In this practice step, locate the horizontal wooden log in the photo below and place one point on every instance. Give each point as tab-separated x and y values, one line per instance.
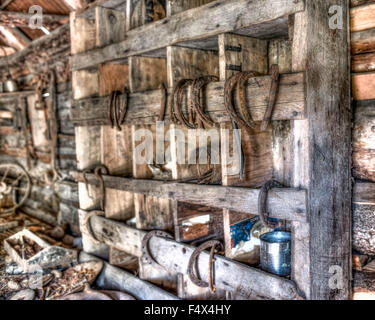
112	278
363	41
364	193
21	19
364	140
173	256
6	114
363	86
363	17
225	16
144	107
356	3
363	62
288	204
19	94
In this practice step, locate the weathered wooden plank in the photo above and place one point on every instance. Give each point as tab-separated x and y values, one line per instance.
83	33
363	17
355	3
144	108
363	41
363	86
289	204
329	148
364	193
21	19
225	16
364	140
363	62
112	278
230	275
110	26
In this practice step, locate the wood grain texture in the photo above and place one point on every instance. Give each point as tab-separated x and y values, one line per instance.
110	26
329	113
144	108
113	77
289	204
83	33
363	41
177	6
364	140
363	62
85	83
363	17
186	63
364	193
363	86
225	16
146	73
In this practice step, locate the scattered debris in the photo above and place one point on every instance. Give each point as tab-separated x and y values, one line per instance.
26	294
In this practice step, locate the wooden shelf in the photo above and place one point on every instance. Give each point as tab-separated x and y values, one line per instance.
144	107
16	94
288	204
256	18
174	257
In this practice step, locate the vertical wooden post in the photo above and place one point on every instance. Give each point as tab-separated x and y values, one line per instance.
323	150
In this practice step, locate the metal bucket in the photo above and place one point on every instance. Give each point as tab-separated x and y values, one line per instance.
275	253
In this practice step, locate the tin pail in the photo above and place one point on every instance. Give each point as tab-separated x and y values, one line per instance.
275	253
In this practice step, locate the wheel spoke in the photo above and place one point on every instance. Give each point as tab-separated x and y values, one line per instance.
5	175
18	179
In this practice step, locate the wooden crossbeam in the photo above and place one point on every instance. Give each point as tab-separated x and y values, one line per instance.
14	38
21	19
144	107
225	16
288	204
174	256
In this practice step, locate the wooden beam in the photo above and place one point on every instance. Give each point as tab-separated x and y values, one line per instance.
225	16
363	41
174	257
112	278
5	3
288	204
363	62
21	19
14	38
363	17
364	140
364	193
329	115
144	107
37	45
363	86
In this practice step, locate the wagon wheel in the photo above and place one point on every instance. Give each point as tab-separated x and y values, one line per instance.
15	184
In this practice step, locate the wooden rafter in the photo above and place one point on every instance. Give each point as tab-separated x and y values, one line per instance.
21	19
5	3
14	38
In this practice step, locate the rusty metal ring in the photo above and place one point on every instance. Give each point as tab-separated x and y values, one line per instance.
228	97
87	224
163	105
197	87
213	244
262	203
99	171
178	101
146	255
